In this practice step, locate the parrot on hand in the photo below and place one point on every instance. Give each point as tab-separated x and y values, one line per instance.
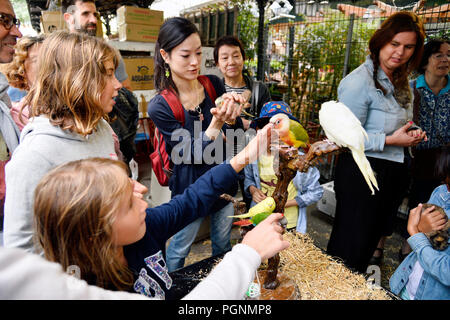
290	131
344	129
257	213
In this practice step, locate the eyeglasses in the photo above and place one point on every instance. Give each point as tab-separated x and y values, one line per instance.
8	21
441	56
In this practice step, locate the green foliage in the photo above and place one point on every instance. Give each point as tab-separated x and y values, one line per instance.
276	65
21	10
319	57
324	44
247	26
442	34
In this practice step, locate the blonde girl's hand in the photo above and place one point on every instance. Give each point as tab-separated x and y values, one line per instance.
267	237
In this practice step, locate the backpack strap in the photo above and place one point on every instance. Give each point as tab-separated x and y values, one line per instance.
206	82
174	104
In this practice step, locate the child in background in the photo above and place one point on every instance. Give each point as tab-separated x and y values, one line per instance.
260	179
425	273
87	215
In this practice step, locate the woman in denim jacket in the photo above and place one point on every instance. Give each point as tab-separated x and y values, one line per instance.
425	273
378	94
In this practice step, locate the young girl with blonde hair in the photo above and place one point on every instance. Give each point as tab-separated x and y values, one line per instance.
88	216
73	92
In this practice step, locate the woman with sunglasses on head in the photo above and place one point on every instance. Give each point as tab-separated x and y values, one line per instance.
431	113
378	93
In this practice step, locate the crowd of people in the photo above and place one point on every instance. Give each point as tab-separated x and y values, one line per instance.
69	201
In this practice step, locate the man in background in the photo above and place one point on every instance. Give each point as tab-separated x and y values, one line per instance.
82	16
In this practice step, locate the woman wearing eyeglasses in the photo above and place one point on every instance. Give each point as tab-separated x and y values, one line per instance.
378	93
432	113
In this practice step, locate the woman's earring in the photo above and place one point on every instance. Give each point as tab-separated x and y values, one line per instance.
167	74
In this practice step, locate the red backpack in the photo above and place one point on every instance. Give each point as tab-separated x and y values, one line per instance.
161	164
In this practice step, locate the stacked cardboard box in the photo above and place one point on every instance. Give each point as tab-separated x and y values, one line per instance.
52	21
140	72
139	24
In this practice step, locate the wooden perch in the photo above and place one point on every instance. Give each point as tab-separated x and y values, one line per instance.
286	165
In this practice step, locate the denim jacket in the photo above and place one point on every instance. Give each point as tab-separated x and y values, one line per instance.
380	115
307	184
435	281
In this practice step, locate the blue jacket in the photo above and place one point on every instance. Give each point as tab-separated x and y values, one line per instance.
380	115
307	184
146	258
435	281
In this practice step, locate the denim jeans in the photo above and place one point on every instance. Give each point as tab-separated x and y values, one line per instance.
180	245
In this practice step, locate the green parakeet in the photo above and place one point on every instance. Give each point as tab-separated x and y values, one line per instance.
257	218
291	132
267	205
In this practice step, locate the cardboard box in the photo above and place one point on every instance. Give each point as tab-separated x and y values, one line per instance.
134	15
52	21
138	32
140	72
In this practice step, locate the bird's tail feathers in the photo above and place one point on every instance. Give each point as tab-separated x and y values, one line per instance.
242	216
366	169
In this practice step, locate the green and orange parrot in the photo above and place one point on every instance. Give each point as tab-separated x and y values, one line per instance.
290	131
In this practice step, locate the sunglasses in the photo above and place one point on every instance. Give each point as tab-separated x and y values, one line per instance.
8	21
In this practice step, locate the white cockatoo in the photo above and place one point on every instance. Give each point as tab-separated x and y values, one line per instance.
343	128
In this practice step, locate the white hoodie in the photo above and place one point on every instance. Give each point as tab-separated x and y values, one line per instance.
42	147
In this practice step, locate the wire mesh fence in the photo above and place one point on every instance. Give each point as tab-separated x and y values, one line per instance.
307	59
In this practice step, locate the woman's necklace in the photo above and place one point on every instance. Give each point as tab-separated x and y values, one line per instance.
197	101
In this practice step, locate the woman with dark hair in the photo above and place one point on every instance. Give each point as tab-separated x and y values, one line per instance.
178	53
229	56
378	94
431	112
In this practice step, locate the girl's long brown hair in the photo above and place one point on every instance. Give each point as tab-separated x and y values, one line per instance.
70	81
75	206
398	22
